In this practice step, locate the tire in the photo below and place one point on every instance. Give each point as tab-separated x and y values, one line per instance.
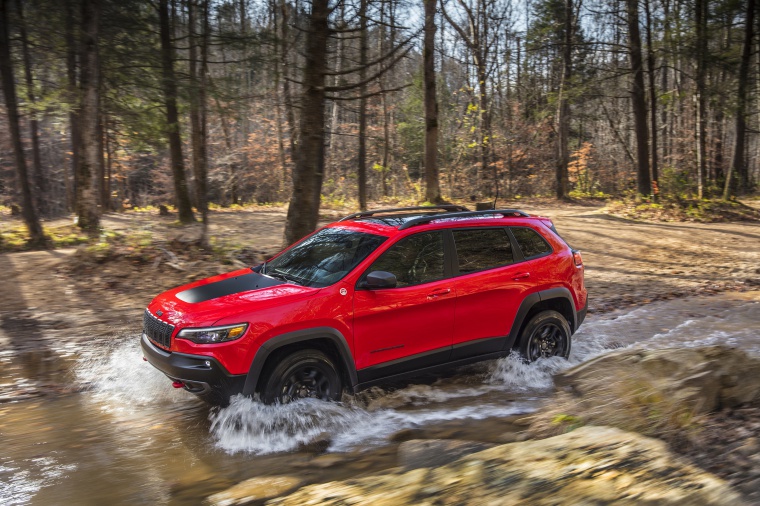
300	375
547	334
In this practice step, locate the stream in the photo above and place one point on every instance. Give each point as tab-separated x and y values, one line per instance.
124	436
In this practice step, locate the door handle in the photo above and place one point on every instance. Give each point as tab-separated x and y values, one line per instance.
438	293
522	275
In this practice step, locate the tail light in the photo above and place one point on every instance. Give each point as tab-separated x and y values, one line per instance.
577	258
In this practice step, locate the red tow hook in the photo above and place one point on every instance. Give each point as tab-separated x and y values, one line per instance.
178	384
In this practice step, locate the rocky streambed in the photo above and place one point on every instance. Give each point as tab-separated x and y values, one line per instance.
699	407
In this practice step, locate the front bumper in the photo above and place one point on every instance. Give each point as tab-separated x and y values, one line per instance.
201	375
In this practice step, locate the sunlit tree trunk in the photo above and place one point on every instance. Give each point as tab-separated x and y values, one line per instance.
432	189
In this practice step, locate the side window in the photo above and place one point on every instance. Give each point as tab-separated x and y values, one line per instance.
482	249
531	244
414	260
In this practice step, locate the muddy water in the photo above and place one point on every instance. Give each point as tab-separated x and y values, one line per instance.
128	437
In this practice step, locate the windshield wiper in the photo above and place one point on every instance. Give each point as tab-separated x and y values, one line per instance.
285	276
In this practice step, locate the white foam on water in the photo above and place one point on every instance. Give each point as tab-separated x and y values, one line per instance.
247	425
119	378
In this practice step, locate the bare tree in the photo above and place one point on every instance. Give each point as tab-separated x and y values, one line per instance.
738	162
182	194
87	202
36	235
432	188
638	98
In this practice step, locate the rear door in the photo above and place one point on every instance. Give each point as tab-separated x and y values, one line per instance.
490	286
408	327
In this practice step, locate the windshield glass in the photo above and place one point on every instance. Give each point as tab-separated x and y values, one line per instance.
323	258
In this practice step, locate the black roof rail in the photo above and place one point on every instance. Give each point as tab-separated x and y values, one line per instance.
366	214
468	214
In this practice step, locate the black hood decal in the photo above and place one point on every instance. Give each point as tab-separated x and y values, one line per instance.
244	283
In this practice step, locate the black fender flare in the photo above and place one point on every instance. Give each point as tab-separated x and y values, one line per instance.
273	344
531	300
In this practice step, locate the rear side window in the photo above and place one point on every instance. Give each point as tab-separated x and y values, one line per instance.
482	249
531	243
414	260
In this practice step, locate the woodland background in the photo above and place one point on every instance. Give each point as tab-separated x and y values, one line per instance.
113	104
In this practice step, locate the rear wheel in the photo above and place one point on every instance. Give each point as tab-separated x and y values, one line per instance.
547	334
305	374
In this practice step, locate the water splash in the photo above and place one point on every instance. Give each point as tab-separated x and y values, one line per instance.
118	376
247	425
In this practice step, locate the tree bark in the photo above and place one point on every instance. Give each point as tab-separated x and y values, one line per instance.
652	97
700	20
362	163
638	99
31	219
184	206
87	202
303	210
432	189
71	73
38	176
198	103
563	109
738	162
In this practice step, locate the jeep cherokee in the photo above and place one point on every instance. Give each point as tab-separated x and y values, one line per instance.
377	296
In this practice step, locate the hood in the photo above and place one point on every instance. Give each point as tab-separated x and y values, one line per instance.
205	302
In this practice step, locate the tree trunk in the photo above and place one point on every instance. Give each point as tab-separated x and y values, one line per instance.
71	73
87	202
563	109
38	176
363	48
36	235
700	20
652	97
303	210
198	103
738	163
638	99
432	189
184	206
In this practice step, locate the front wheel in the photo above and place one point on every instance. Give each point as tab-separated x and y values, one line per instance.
547	334
305	374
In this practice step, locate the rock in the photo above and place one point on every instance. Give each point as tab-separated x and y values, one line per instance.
317	445
163	210
406	435
592	465
701	379
435	452
255	491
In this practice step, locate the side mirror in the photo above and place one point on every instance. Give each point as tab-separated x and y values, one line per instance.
380	279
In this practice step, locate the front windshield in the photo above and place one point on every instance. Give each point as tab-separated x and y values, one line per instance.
323	258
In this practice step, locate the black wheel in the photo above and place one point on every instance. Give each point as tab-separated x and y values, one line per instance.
302	375
547	334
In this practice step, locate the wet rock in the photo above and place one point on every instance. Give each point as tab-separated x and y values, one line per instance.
406	435
255	491
701	379
317	445
435	452
592	465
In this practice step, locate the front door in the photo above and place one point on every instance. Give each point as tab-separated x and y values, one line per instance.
410	326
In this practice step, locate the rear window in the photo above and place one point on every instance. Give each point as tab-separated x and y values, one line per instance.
531	243
482	249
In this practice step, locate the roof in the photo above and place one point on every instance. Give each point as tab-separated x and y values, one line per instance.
407	217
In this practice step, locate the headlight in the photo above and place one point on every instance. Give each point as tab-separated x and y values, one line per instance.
210	335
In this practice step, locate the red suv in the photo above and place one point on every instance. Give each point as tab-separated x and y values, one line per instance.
376	296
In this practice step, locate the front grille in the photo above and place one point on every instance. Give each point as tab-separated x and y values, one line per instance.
157	331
